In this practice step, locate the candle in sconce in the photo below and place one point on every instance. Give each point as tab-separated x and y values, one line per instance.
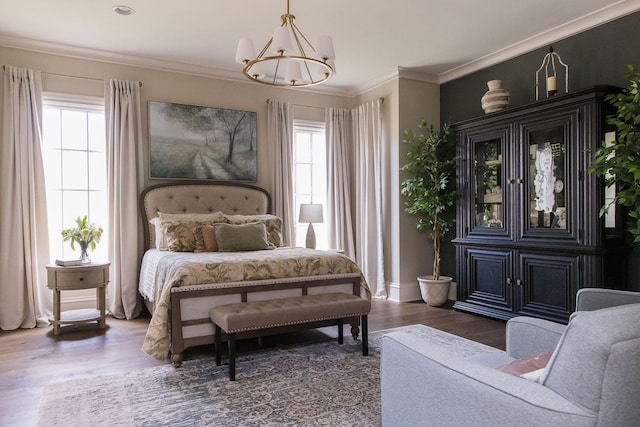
551	86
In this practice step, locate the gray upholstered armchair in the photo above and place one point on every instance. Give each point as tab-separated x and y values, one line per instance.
592	378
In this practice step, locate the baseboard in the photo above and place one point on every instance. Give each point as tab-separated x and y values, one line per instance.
405	292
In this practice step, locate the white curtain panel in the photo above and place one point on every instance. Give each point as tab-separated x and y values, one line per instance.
369	174
25	301
124	181
339	167
280	145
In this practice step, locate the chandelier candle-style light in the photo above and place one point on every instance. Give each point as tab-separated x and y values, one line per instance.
288	59
549	61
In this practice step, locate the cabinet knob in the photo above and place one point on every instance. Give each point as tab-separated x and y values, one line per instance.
509	281
81	279
518	282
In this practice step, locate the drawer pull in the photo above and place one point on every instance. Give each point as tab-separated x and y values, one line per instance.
81	279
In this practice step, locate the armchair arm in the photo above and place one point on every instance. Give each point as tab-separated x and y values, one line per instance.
589	299
423	384
526	336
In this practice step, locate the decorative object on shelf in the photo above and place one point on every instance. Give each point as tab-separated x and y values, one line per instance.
551	79
496	98
617	161
311	213
286	64
431	187
85	234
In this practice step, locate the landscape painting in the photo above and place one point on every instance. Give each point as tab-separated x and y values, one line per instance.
202	143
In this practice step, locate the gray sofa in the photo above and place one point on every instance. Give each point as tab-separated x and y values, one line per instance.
592	378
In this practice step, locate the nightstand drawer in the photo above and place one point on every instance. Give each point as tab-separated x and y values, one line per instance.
83	279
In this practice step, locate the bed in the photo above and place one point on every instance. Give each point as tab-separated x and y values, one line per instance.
180	284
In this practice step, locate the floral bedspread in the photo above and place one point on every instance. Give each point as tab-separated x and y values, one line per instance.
163	270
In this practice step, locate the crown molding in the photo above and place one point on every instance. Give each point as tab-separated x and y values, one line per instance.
141	62
594	19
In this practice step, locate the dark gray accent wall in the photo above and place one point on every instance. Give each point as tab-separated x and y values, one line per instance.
598	56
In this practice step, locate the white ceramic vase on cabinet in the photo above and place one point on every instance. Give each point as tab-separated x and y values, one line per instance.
496	98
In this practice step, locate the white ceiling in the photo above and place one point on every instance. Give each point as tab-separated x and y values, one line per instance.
373	39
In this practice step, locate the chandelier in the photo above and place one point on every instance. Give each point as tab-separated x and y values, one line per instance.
288	59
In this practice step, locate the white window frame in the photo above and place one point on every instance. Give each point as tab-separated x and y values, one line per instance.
318	190
59	221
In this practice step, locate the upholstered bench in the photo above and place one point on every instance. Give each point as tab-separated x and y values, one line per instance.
272	314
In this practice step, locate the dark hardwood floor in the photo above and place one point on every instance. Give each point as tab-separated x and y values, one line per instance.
33	358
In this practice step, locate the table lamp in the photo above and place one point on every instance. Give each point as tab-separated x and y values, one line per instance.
310	212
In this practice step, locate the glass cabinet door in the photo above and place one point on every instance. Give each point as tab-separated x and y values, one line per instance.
547	179
488	184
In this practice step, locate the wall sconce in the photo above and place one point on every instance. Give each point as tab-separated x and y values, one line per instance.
551	80
310	213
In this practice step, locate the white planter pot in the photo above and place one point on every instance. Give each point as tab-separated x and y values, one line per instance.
434	292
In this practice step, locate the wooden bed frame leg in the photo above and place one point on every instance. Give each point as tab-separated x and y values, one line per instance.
340	333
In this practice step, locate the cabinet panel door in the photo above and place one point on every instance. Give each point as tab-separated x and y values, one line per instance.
548	284
550	177
490	278
484	186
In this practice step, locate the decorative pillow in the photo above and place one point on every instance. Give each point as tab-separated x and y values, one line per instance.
527	366
273	224
179	230
251	236
206	239
161	242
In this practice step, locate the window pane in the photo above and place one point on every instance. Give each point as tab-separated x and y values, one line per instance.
74	170
74	128
96	133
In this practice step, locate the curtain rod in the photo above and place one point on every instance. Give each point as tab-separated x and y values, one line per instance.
381	99
4	67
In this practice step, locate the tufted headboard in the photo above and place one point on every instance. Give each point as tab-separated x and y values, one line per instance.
199	197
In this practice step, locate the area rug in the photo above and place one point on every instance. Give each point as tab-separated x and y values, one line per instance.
316	384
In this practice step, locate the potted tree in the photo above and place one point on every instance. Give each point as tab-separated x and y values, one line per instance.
429	191
619	162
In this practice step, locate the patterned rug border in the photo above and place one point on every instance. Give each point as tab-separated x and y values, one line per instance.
332	385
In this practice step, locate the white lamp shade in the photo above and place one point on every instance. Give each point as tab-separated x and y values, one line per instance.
311	213
281	40
325	48
293	74
245	51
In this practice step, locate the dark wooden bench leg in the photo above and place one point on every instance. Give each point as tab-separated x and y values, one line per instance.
232	356
340	333
218	344
365	335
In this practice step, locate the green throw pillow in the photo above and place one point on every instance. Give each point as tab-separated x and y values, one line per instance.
251	236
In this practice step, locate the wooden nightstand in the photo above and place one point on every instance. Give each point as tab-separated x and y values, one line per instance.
86	276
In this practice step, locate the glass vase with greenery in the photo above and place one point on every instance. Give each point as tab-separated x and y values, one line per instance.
85	234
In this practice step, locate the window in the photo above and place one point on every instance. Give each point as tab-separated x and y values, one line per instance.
310	177
75	166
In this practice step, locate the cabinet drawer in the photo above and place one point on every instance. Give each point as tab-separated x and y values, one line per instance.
81	279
